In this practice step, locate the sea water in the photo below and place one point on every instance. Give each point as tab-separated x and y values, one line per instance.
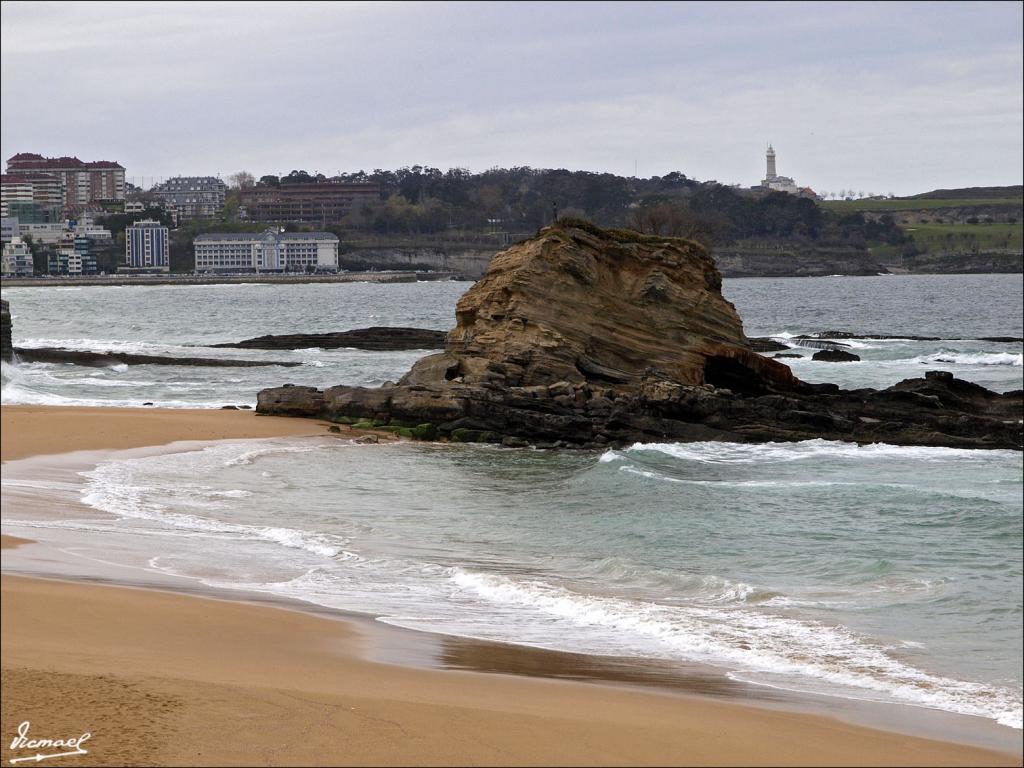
875	572
180	320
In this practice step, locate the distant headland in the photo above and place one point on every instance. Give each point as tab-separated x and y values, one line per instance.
75	219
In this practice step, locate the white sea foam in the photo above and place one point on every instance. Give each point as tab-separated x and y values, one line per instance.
971	358
806	450
965	359
103	345
16	394
754	642
117	487
249	456
632	470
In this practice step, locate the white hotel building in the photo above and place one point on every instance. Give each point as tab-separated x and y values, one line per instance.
270	251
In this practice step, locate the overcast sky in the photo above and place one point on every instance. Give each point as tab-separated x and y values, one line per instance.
886	97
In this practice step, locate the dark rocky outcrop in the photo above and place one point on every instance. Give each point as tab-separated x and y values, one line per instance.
589	337
376	338
765	344
835	356
100	359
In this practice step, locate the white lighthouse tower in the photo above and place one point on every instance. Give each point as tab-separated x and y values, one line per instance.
773	181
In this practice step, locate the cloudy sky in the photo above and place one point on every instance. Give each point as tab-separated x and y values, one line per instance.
886	97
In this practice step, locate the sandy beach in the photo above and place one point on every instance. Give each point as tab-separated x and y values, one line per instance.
165	679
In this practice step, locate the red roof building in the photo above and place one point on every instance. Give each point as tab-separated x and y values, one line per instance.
80	184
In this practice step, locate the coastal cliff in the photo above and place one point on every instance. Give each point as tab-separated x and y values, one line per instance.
587	337
782	258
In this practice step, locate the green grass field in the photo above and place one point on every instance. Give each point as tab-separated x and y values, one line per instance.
926	203
945	237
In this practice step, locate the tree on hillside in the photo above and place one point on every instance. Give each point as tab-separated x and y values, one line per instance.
241	180
676	219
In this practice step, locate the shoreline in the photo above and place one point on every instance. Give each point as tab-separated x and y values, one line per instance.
406	276
500	726
204	666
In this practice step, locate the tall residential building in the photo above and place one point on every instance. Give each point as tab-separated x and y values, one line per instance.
79	183
270	251
147	246
318	203
36	189
17	259
193	197
13	189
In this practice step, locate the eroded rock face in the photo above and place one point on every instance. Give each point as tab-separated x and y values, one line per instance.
588	337
588	306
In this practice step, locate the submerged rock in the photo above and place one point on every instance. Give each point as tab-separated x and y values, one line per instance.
588	337
102	359
836	356
376	338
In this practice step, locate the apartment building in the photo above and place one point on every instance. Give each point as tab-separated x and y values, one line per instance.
17	259
322	203
193	197
13	189
69	181
147	247
270	251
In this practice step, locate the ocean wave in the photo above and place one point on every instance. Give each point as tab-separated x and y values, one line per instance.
633	470
967	359
105	345
972	358
125	488
127	502
704	588
813	450
250	456
637	611
16	394
30	384
754	641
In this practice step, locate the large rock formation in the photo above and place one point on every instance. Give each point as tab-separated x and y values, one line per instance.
583	336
